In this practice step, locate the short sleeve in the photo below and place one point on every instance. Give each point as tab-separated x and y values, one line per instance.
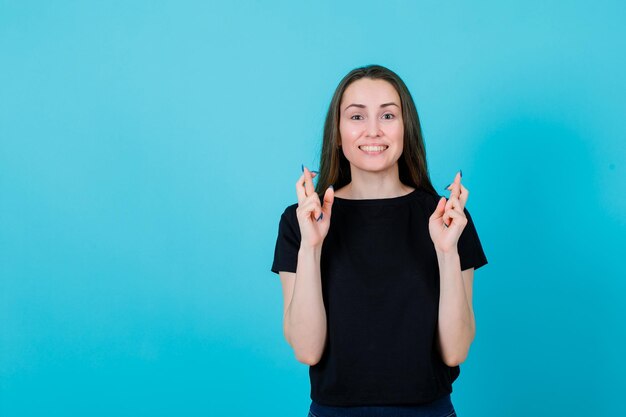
287	242
470	249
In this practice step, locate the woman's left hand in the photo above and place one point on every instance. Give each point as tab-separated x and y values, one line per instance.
448	220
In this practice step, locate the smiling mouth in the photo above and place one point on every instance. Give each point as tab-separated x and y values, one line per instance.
373	148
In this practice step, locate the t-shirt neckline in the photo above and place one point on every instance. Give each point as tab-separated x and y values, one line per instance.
377	201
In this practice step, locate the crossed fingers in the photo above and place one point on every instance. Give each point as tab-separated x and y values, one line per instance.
458	198
304	185
305	190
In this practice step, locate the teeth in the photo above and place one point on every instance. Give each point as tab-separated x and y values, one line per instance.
373	148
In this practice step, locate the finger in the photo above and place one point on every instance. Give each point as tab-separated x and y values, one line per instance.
310	207
456	219
456	207
329	198
310	191
458	202
448	215
456	185
439	210
308	182
452	203
456	190
464	196
314	201
300	192
300	186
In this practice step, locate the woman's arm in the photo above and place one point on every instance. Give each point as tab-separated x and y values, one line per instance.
304	322
456	324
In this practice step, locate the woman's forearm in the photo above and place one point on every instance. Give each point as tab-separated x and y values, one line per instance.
456	318
305	318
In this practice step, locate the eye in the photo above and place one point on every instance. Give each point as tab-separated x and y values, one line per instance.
388	114
356	115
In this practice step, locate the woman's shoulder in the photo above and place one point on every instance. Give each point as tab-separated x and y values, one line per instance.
288	223
426	196
289	213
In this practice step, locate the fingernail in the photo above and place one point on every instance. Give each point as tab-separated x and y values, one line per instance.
461	173
315	172
320	217
446	187
331	187
302	167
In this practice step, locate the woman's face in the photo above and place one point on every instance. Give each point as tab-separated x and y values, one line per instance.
371	126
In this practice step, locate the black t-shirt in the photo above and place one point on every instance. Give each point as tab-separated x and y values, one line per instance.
380	285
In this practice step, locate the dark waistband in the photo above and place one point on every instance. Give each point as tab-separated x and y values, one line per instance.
442	406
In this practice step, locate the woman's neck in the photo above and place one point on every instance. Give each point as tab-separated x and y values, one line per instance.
373	185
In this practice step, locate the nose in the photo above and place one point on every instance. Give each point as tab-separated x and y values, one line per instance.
373	129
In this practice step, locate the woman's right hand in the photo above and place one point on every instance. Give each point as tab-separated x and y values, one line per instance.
313	218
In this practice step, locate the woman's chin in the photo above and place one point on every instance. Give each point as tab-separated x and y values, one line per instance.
371	167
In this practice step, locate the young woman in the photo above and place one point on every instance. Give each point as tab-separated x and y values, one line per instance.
376	267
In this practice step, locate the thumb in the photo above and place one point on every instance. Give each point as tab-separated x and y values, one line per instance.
329	198
439	210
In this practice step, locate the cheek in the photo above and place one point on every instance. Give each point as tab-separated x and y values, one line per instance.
353	133
348	132
398	132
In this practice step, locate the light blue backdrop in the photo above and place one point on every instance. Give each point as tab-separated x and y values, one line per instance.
148	148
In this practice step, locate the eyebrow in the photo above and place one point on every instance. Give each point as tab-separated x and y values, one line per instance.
364	106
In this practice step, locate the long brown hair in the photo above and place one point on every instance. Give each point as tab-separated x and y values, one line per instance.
335	168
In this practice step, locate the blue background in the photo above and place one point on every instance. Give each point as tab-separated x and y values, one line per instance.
148	148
